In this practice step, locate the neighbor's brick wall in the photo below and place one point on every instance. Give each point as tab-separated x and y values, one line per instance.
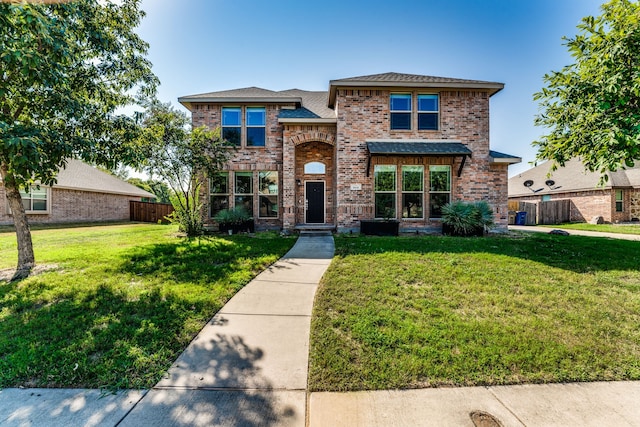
464	116
76	206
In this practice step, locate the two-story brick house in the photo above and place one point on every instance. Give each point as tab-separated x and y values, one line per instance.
381	146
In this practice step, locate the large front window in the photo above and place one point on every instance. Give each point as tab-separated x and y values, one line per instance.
412	191
400	110
244	191
268	194
35	201
439	189
385	191
232	124
218	193
256	126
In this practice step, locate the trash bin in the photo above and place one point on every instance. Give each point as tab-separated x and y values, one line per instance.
521	218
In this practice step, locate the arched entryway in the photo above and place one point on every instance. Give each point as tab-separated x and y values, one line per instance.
315	183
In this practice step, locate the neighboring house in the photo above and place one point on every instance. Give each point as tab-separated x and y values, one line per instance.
82	194
617	201
381	146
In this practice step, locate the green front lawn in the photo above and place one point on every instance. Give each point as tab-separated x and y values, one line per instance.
120	302
605	228
429	311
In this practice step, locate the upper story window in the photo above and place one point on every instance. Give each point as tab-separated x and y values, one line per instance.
232	124
428	112
400	109
256	125
36	200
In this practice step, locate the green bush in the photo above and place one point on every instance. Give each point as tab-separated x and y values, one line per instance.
467	218
232	216
187	215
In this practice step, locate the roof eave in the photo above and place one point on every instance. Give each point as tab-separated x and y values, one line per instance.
509	160
320	120
188	101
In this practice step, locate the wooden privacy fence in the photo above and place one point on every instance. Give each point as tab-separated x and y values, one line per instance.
549	212
554	211
149	212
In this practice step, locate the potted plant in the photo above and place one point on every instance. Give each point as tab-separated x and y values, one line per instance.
387	226
466	219
234	221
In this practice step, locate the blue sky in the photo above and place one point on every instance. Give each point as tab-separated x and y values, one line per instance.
208	45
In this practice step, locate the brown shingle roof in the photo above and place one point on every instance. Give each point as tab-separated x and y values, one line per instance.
570	178
313	101
400	80
80	176
407	78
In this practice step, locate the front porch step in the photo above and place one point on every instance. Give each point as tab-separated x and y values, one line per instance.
315	229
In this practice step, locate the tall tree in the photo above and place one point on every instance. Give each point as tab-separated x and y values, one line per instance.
66	69
592	107
182	157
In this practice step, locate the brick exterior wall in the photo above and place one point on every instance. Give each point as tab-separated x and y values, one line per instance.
75	206
464	116
598	202
254	159
364	114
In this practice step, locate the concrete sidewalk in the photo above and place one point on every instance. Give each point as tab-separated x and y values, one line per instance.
577	404
539	229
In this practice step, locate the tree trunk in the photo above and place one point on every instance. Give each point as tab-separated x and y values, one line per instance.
26	259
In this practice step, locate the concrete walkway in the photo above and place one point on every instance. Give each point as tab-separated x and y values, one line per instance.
248	367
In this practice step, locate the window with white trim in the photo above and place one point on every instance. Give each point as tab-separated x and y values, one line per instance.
412	191
428	112
244	191
400	111
385	191
36	200
268	194
218	193
439	189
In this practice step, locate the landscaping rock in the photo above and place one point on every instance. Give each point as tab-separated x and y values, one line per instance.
559	232
597	220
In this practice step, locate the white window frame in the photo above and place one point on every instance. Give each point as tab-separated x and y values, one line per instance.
47	201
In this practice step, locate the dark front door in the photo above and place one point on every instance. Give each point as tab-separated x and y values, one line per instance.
314	192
